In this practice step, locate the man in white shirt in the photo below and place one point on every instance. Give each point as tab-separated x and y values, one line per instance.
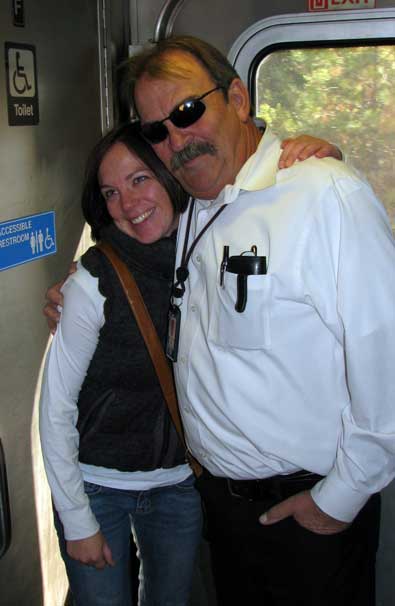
285	358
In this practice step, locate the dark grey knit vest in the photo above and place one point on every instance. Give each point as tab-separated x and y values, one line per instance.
123	419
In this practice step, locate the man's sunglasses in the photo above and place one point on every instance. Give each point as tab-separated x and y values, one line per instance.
186	114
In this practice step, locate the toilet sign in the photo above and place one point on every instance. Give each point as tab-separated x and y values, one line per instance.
21	78
27	239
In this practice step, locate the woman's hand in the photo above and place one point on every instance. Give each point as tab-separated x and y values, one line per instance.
92	551
304	146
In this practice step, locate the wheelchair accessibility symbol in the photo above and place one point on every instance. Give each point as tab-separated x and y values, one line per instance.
22	93
19	78
21	73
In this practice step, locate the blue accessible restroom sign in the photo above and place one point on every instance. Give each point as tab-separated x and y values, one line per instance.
27	239
21	78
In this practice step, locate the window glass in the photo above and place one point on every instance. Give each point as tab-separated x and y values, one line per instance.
345	95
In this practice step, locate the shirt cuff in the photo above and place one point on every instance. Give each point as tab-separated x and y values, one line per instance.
337	499
78	523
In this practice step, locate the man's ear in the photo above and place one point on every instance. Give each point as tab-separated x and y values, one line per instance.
240	99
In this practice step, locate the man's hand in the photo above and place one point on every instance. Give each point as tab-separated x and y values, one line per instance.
93	551
54	300
304	146
304	510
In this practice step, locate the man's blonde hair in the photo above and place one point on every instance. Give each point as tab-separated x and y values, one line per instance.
152	62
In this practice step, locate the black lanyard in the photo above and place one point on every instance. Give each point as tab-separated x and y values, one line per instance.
182	271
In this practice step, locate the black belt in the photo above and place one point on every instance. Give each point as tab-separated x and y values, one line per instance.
276	487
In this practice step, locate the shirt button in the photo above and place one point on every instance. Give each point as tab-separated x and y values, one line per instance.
198	258
183	359
193	308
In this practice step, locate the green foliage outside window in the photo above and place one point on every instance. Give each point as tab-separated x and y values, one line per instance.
345	95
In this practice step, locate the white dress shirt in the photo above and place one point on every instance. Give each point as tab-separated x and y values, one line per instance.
68	359
303	378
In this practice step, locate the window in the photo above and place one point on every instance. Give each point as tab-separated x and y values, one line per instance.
343	94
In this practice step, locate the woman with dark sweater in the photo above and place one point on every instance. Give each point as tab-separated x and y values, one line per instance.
112	456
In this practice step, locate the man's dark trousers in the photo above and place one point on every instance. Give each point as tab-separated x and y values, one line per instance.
284	564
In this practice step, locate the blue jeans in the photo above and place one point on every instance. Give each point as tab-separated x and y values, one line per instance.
166	524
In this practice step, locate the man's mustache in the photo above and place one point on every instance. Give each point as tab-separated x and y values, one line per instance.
190	152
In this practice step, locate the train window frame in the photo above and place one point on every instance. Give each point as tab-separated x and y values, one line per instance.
304	31
290	31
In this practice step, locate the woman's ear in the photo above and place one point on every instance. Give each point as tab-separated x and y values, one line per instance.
240	99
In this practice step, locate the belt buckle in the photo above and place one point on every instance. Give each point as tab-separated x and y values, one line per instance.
252	492
256	490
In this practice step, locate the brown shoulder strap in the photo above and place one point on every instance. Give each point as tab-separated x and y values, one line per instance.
151	339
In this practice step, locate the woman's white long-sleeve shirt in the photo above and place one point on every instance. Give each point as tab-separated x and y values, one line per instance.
67	361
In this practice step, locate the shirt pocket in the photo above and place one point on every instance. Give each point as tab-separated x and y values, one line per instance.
249	329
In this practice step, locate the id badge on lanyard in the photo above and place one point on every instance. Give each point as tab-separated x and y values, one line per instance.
178	289
173	332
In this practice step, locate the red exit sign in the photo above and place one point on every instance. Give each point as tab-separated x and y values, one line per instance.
339	5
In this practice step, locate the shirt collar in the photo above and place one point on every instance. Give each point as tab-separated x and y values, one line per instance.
260	170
